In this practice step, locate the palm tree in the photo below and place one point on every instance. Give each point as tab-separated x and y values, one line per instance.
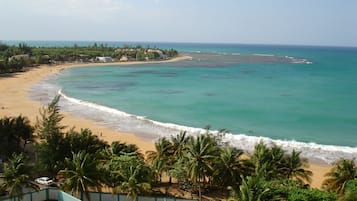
253	188
349	196
15	133
119	148
24	130
84	140
260	156
229	167
268	160
132	174
179	143
16	176
160	159
131	184
81	173
201	153
294	168
8	139
343	171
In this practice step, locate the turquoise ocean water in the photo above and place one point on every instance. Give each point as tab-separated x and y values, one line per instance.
298	97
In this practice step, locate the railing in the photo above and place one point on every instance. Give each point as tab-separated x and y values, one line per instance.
56	194
98	196
41	195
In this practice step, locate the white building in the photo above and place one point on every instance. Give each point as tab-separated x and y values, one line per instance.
104	59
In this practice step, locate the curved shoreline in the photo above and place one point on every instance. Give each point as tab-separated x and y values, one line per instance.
16	100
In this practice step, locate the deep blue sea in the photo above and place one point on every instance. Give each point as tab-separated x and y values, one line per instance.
299	97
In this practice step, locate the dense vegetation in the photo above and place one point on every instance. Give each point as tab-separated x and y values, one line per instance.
15	58
201	165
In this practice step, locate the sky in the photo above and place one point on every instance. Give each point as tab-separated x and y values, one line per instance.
290	22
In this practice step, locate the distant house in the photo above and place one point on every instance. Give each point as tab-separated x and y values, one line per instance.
159	52
124	59
83	57
19	56
125	50
104	59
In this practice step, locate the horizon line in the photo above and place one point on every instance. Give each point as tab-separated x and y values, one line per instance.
189	42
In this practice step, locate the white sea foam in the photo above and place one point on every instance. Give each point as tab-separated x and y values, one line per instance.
93	105
132	123
297	60
264	55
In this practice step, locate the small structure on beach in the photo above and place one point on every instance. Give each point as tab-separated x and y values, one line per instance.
104	59
124	59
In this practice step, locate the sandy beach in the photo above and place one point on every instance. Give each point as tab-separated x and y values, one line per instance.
15	100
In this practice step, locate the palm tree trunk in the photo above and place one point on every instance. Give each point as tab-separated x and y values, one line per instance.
199	188
199	192
24	146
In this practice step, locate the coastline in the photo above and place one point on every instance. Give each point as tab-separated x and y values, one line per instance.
15	100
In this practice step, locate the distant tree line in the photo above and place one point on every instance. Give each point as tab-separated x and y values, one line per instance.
15	58
200	165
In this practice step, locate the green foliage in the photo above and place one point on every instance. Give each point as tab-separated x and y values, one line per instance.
171	53
24	48
3	47
200	154
202	162
295	168
291	190
118	148
199	159
140	56
49	55
49	122
276	164
229	167
310	195
83	141
129	174
350	191
351	186
62	145
160	159
348	196
49	129
253	188
268	160
178	145
17	176
342	172
15	133
81	173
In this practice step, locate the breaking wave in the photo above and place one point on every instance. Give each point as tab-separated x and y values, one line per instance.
150	129
139	124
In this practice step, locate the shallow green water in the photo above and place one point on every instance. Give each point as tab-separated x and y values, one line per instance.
303	102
